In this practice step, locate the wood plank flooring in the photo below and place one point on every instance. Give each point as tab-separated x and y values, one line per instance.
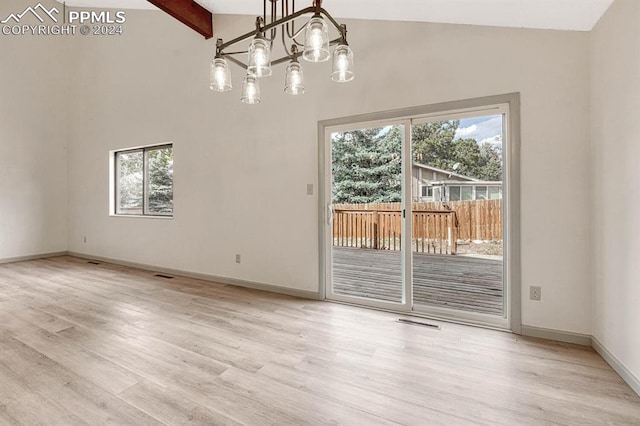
456	282
103	344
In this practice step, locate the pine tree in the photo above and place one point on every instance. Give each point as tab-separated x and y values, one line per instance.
160	163
130	179
367	163
367	166
159	180
434	144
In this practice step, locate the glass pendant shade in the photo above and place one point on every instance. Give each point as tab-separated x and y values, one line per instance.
294	79
316	41
342	68
250	90
220	75
259	57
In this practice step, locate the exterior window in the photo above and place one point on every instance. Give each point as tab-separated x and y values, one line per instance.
481	193
454	193
467	193
144	181
495	193
437	194
427	191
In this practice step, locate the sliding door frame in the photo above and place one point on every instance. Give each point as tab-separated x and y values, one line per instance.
512	268
489	320
326	229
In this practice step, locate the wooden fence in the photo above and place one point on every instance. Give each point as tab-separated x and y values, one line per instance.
433	231
478	220
436	228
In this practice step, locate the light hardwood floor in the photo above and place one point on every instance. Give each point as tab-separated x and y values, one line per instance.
98	344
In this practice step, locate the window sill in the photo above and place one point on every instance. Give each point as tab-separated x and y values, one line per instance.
141	216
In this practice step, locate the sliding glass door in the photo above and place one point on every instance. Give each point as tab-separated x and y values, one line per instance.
366	223
457	208
415	214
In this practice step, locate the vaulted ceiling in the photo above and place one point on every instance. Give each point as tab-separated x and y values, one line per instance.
577	15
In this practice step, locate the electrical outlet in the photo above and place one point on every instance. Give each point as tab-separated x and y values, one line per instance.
309	189
535	293
238	259
84	239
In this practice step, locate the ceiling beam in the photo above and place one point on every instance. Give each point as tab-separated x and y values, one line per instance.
189	13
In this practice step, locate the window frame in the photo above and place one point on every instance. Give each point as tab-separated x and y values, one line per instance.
425	194
115	184
449	188
509	106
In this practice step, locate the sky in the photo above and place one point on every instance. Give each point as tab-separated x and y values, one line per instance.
482	129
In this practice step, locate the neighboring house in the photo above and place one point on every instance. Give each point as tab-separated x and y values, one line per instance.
433	184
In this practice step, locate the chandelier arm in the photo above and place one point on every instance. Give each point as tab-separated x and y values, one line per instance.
283	36
286	28
285	59
270	39
333	21
237	62
293	36
239	52
289	18
274	13
274	24
264	10
284	11
340	27
336	41
296	34
291	29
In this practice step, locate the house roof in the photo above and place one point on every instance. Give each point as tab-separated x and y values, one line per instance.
447	172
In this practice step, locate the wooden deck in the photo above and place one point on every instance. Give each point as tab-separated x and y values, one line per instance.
457	282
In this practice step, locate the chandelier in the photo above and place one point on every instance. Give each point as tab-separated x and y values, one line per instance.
314	48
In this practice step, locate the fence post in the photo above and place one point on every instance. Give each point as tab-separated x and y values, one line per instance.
453	232
375	230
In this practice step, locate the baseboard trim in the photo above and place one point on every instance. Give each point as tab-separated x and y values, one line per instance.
557	335
627	376
303	294
32	257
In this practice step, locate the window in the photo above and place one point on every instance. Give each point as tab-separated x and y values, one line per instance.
495	193
144	181
467	193
454	193
427	191
438	194
481	193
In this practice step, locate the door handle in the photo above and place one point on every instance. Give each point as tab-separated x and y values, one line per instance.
330	213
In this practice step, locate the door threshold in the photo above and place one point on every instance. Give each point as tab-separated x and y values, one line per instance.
423	315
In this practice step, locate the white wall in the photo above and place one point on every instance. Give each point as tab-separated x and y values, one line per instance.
241	171
615	126
33	141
